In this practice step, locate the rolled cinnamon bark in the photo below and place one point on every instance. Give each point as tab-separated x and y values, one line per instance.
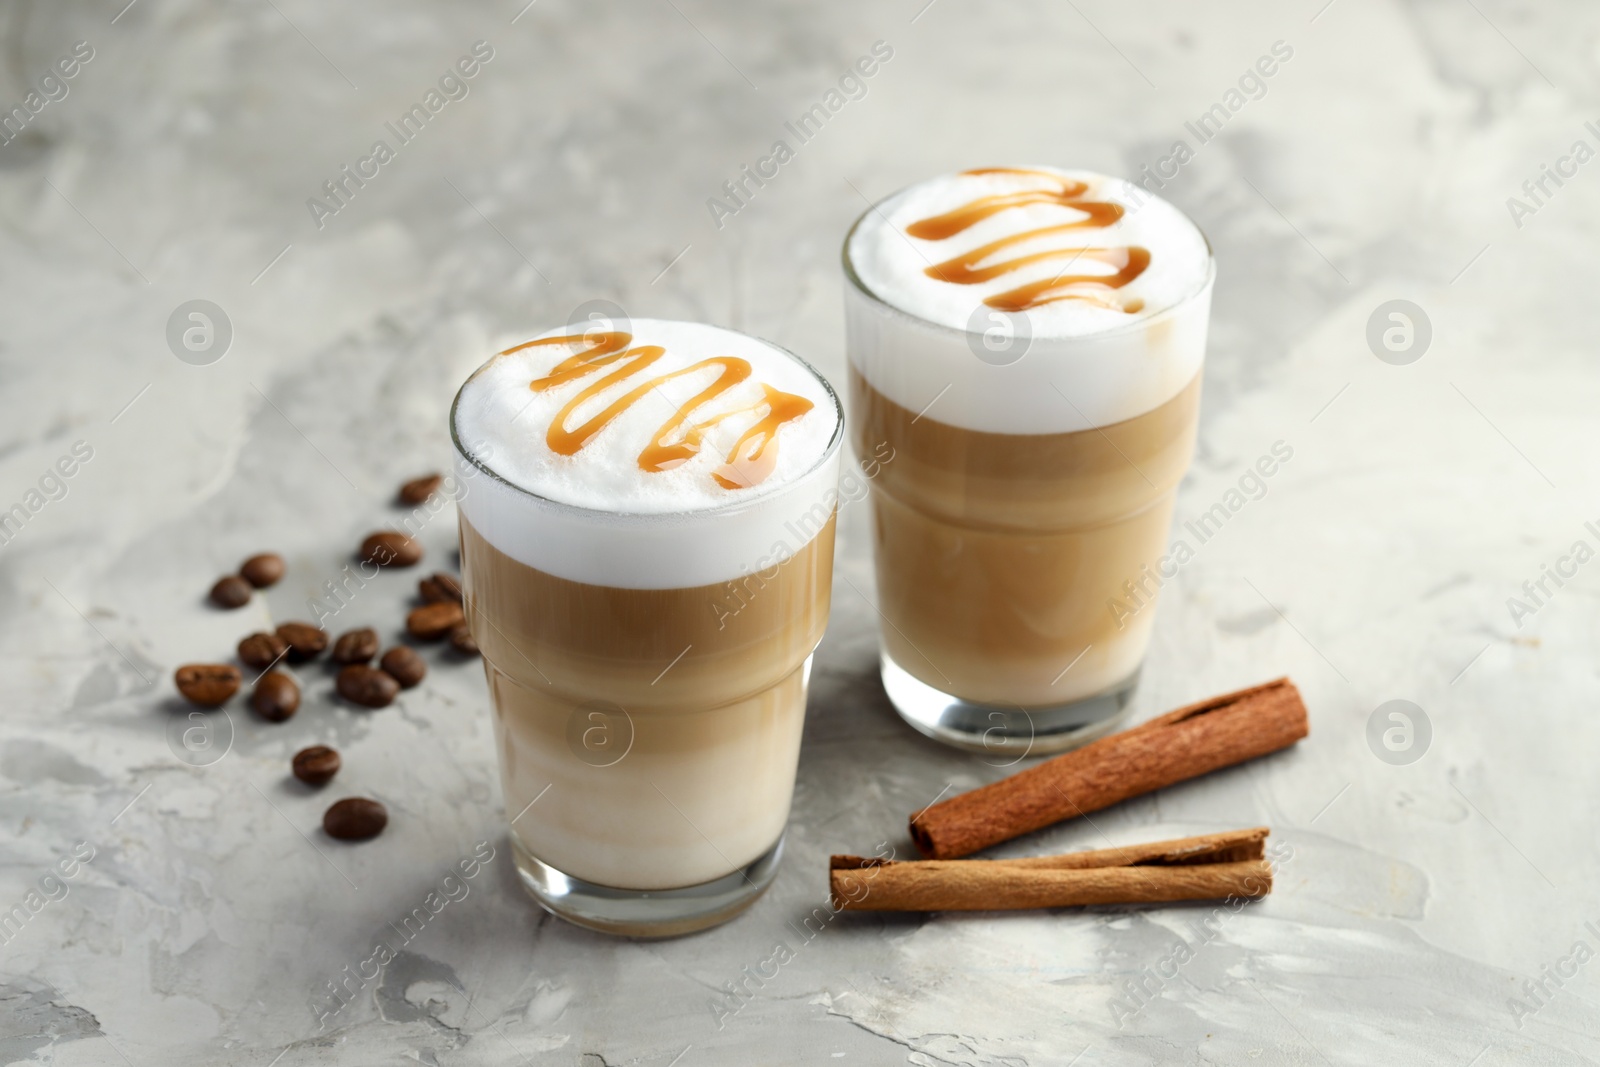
1203	868
1180	745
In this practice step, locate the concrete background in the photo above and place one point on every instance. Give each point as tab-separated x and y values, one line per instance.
1414	899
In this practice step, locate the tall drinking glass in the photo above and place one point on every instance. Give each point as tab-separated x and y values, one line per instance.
1028	343
647	550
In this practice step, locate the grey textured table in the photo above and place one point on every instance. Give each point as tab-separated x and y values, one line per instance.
1427	912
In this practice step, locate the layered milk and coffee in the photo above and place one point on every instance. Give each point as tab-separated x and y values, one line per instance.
647	548
1029	341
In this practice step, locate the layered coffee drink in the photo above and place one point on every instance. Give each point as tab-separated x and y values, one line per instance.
1029	342
647	553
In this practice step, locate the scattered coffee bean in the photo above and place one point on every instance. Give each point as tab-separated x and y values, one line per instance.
363	685
404	666
356	646
304	640
263	570
418	490
355	819
261	650
208	685
390	548
276	697
461	639
439	587
231	592
316	765
432	622
449	586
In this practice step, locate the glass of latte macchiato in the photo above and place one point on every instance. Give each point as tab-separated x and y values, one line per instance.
647	551
1027	343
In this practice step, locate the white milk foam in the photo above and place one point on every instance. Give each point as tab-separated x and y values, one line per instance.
596	516
1085	365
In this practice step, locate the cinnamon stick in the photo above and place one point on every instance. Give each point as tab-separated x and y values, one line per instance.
1180	745
1198	868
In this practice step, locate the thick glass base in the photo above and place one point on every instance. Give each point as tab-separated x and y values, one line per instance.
646	913
1008	733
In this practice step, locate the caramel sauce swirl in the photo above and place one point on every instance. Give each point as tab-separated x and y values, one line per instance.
972	267
754	454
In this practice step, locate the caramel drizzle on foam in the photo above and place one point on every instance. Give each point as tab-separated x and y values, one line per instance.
1127	262
679	439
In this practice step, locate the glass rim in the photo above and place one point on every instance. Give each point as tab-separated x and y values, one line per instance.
855	280
732	507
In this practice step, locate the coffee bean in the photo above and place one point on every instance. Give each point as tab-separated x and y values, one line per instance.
439	587
231	592
276	696
404	666
432	622
355	819
304	640
360	684
418	490
263	570
316	765
448	585
356	646
261	650
461	639
390	548
208	685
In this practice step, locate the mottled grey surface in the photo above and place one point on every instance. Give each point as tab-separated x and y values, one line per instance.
1418	899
